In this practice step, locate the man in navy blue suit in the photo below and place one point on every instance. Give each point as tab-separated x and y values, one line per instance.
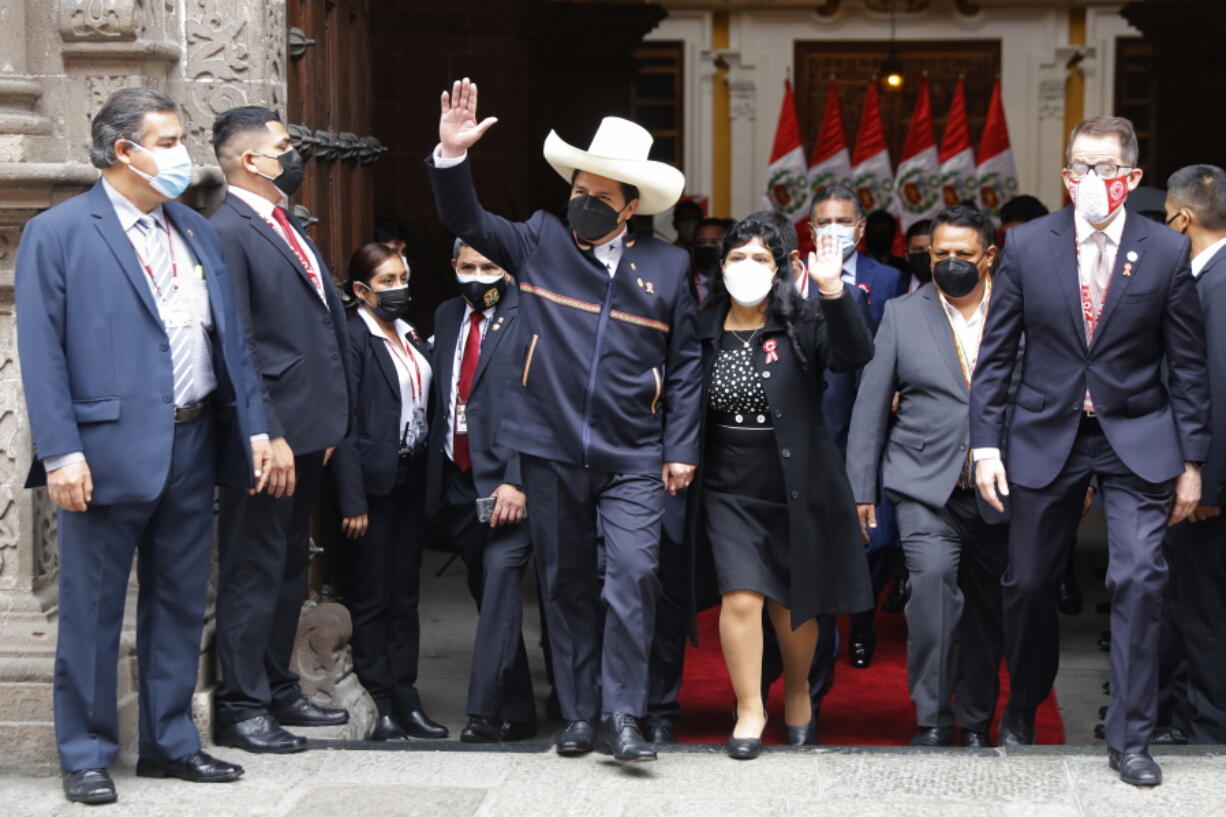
605	414
1106	302
141	397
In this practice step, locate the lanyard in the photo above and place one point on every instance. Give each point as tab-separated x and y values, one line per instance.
174	265
405	354
963	361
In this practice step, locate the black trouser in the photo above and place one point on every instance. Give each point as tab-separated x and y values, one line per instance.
264	550
667	661
1194	632
385	571
1042	528
500	684
600	635
954	636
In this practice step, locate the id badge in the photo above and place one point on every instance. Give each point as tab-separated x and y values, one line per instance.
461	418
178	315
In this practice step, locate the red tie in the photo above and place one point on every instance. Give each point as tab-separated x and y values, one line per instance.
292	237
468	368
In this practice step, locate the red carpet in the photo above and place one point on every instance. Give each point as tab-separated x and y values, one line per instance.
865	707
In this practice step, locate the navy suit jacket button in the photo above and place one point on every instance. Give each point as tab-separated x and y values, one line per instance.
165	347
795	494
787	452
166	398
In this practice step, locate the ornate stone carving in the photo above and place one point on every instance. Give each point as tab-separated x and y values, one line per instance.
324	664
97	20
218	66
272	46
46	543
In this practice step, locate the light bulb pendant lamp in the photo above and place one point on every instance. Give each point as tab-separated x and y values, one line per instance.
891	72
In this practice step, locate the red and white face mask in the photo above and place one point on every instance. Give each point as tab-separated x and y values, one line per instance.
1097	199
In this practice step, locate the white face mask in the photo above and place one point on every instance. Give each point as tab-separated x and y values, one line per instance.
468	277
748	282
843	234
174	169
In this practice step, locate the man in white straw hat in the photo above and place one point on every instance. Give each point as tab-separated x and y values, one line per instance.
605	415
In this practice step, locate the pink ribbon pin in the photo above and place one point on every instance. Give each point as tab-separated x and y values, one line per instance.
770	347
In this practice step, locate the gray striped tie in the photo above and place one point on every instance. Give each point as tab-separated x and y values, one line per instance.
157	256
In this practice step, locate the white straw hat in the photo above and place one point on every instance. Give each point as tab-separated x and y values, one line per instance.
619	151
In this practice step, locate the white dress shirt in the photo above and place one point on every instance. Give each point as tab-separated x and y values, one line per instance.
413	373
969	331
457	361
1205	256
263	208
1087	257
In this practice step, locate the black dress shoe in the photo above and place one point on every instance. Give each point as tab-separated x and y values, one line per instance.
198	767
896	602
862	648
976	740
1069	599
304	713
575	739
482	730
744	748
660	733
1137	768
1016	731
1100	731
90	786
514	730
619	736
386	728
261	735
801	735
1104	640
933	736
1168	736
416	725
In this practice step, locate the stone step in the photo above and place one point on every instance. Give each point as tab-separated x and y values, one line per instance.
28	747
25	702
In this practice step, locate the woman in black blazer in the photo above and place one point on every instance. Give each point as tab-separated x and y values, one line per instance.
771	500
380	474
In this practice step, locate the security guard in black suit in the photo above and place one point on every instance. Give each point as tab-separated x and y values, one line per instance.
605	410
476	341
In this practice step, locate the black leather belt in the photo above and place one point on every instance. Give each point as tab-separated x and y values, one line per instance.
189	414
1089	423
748	419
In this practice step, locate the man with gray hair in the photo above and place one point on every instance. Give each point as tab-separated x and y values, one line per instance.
141	397
1193	701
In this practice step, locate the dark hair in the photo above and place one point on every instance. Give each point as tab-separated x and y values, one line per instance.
837	192
1202	189
244	119
921	227
962	216
123	117
1022	208
1116	126
389	229
786	305
362	266
686	204
721	223
629	191
784	225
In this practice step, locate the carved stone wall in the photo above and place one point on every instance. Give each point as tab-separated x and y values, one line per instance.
59	61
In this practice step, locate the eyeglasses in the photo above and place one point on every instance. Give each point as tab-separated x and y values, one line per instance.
1172	218
1103	170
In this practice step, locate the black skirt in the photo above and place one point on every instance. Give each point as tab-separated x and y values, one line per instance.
747	513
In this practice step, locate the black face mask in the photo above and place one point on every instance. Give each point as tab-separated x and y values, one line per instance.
391	304
706	259
591	218
956	277
482	296
290	180
920	265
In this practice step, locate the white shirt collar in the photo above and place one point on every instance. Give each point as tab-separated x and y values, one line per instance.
956	314
486	313
1205	256
128	212
1114	230
262	206
402	329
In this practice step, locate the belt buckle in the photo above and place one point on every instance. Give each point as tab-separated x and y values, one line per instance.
1091	414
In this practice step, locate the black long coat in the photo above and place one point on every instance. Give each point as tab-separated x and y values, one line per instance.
829	573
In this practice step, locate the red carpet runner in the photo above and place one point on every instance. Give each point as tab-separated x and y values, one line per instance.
865	707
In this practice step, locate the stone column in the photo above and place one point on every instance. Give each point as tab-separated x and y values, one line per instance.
59	61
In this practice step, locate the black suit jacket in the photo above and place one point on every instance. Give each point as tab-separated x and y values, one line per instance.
299	343
366	460
1211	286
497	368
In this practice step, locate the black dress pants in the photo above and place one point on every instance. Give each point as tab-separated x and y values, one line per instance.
264	551
1042	528
667	661
500	683
385	570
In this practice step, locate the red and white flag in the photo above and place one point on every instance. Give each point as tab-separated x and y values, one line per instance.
871	175
917	183
957	156
996	177
831	162
787	178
